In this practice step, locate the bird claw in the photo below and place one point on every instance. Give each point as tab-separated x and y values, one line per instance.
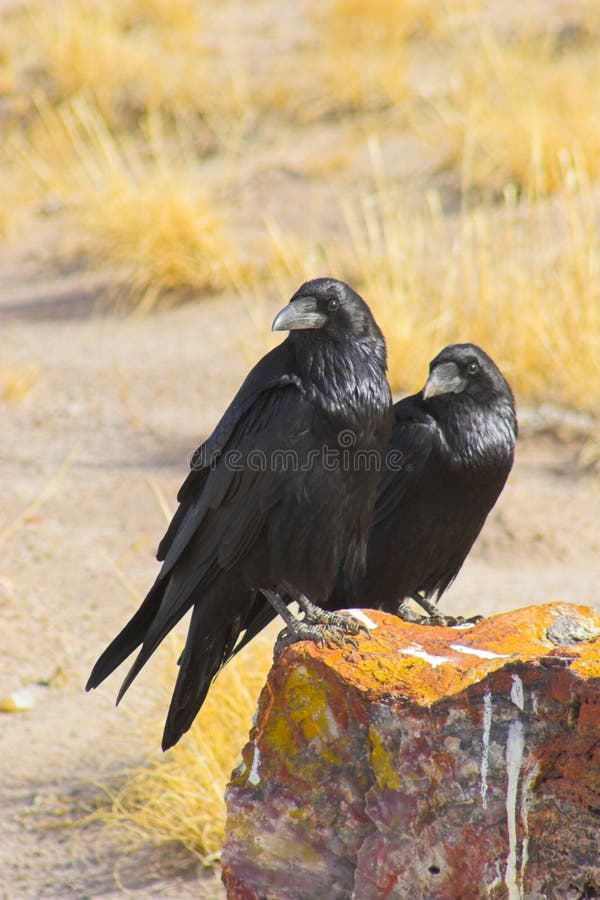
335	636
318	633
471	620
451	621
352	626
343	622
350	640
339	636
435	618
299	631
443	621
348	626
364	629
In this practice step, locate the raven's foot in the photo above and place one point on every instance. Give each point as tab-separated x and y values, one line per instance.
319	625
305	631
433	617
452	621
344	623
320	631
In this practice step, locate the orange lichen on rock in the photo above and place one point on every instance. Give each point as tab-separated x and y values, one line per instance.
397	653
429	762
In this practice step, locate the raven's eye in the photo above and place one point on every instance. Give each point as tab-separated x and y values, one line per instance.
333	305
473	368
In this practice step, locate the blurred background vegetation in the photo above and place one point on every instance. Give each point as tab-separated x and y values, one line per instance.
443	157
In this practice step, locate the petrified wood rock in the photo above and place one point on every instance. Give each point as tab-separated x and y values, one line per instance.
429	763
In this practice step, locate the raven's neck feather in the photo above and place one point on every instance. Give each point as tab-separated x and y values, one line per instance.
344	376
479	435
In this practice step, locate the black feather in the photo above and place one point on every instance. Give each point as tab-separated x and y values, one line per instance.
454	452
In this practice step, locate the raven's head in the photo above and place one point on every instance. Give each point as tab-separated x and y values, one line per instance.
329	308
466	369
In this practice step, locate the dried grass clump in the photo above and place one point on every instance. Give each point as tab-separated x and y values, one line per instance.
143	210
515	108
132	58
366	48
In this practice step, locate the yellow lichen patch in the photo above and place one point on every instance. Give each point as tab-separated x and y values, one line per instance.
309	714
307	702
588	663
383	764
279	734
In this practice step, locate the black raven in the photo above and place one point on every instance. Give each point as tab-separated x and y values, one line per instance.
450	452
279	499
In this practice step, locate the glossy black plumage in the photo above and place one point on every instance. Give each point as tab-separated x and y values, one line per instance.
450	452
449	456
252	516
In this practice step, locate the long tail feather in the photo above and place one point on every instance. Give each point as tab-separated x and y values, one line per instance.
209	642
129	638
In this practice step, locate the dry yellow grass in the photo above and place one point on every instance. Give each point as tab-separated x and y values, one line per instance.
523	281
520	278
179	796
366	48
386	24
132	59
140	209
362	53
515	108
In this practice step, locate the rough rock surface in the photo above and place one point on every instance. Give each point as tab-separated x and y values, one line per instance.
429	763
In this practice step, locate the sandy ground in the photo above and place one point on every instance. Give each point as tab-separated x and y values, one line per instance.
117	406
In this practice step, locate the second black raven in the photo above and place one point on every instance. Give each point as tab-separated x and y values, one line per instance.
278	500
450	452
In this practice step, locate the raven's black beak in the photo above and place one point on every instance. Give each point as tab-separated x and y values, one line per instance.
444	379
299	314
